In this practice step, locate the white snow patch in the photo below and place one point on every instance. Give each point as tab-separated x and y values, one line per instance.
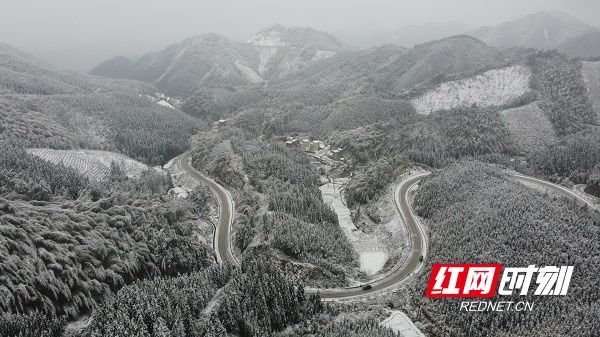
267	39
179	192
162	102
322	54
371	250
372	262
91	163
492	88
400	323
250	74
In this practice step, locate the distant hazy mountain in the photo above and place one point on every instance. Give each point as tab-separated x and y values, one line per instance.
543	30
212	60
116	67
407	36
394	69
585	45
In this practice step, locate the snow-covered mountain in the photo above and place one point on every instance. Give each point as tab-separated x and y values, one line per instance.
283	51
211	60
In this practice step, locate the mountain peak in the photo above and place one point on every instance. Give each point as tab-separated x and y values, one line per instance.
297	37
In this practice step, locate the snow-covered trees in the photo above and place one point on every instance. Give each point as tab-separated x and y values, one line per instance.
563	94
295	219
478	215
574	157
256	300
159	307
61	255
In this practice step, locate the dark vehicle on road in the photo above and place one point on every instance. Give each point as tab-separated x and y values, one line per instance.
366	287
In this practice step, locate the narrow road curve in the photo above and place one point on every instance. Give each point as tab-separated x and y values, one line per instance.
221	242
557	188
418	238
418	245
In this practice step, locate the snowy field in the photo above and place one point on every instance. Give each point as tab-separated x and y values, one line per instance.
591	77
400	323
492	88
529	127
91	163
374	248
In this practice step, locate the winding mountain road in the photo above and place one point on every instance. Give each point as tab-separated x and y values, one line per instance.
222	239
418	245
418	238
554	187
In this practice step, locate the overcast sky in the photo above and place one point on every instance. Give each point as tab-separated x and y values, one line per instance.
93	30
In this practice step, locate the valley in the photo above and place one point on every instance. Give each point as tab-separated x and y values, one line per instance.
291	184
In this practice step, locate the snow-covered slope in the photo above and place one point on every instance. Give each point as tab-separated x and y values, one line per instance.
283	51
401	324
214	61
529	127
492	88
91	163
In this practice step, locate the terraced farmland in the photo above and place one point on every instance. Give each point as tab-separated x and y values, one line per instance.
529	127
91	163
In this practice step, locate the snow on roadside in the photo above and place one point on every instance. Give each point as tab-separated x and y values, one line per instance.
371	247
492	88
182	181
372	262
400	323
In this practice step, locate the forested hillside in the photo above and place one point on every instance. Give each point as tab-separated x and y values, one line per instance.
68	243
93	231
214	62
279	200
41	106
502	221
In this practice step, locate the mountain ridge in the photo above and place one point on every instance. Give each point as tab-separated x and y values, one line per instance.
540	30
212	60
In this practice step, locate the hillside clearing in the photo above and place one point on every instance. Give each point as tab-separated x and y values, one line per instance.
492	88
529	127
375	247
400	323
93	164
